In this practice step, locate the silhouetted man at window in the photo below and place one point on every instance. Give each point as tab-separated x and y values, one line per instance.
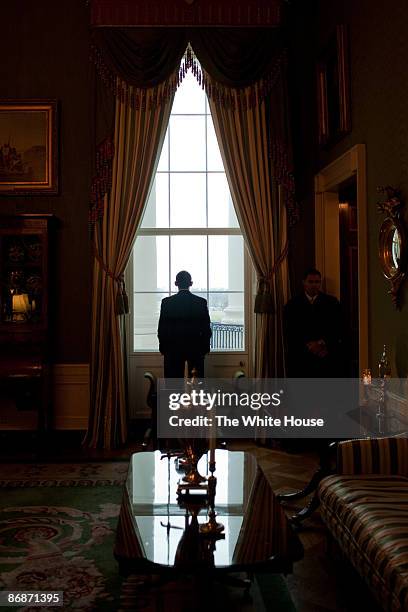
313	329
184	330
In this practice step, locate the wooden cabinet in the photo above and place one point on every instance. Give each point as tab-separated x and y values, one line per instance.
24	319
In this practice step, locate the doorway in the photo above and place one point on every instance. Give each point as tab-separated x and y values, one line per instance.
341	244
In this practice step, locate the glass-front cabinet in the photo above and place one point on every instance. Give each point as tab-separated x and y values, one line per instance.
23	272
24	328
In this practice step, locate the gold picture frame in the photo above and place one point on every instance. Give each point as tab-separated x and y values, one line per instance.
333	89
28	147
392	242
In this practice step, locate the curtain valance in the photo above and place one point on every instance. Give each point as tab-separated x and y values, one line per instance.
139	57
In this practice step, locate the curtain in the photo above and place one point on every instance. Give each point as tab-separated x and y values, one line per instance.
243	135
141	119
139	67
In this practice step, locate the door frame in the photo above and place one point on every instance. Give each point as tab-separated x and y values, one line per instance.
327	243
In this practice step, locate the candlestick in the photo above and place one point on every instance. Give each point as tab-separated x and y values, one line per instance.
212	527
212	449
213	438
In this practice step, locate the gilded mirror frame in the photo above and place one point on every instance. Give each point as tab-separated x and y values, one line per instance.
392	243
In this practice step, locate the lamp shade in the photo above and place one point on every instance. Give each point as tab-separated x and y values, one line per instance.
20	303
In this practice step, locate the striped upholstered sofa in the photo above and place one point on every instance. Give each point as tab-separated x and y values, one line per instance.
365	507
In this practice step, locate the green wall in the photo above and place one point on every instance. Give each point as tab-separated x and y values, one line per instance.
379	101
44	54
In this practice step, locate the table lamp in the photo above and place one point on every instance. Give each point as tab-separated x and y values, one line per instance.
20	306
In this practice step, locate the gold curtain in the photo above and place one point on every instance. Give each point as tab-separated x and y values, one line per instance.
243	134
141	119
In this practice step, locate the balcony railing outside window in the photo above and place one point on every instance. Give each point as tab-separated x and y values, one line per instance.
227	337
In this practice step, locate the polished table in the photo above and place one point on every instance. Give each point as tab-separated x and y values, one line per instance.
156	533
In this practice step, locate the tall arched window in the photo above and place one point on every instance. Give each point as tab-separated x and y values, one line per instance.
190	224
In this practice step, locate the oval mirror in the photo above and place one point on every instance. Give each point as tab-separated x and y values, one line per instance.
391	247
392	241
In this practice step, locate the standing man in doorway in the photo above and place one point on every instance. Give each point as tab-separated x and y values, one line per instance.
184	330
313	330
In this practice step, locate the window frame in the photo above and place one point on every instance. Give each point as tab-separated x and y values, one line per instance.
169	231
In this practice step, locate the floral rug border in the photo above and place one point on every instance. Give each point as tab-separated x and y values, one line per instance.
63	475
13	484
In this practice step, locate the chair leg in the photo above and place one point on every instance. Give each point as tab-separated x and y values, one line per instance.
298	518
309	488
322	471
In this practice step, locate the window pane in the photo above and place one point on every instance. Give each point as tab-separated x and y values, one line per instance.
190	253
164	157
156	213
214	160
221	211
226	307
227	319
226	263
187	143
187	199
151	263
146	308
189	98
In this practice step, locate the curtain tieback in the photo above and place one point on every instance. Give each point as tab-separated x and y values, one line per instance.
264	300
122	300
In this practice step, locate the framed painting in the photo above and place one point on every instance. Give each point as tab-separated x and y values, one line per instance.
333	89
28	147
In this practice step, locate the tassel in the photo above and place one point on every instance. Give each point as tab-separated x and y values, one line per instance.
122	300
264	303
119	307
125	301
263	300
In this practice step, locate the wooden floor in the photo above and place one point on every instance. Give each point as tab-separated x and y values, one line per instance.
320	582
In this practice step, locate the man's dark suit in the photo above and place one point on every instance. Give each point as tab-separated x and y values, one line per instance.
307	322
184	333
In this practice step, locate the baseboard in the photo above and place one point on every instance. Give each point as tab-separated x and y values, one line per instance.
70	403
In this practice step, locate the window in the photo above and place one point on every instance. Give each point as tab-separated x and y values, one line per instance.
190	224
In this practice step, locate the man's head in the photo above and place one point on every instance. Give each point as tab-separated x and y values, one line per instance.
183	280
312	281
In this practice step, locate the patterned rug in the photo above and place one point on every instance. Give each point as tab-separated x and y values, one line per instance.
57	529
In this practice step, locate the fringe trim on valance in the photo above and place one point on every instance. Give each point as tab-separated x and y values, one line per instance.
228	97
136	97
242	98
102	180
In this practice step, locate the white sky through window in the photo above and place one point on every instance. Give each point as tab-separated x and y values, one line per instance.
189	222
